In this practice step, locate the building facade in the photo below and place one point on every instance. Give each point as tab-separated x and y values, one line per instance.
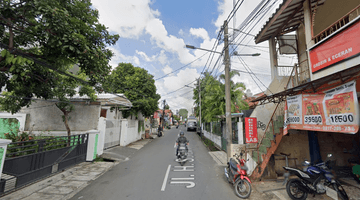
316	111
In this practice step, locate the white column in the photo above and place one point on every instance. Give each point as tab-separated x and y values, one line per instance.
124	132
240	131
3	147
308	25
273	58
93	141
308	36
102	129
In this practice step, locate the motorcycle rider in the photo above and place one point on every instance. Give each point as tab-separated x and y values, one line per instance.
159	129
182	139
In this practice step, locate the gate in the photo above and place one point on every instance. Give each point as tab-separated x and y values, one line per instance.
112	133
32	160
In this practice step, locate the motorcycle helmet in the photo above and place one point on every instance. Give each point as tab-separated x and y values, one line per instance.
182	133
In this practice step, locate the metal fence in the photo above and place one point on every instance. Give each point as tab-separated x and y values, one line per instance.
217	128
29	161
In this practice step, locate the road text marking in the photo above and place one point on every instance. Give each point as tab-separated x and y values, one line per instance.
166	178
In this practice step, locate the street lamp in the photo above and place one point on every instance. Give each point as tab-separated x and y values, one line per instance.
192	47
227	85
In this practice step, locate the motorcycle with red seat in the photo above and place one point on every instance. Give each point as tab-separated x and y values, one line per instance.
236	173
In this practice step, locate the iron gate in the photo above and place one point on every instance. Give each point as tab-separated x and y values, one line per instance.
32	160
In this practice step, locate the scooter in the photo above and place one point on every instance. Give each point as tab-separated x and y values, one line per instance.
236	175
182	154
315	179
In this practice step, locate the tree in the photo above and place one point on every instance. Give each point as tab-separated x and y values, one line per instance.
213	96
41	41
184	113
137	85
177	118
167	107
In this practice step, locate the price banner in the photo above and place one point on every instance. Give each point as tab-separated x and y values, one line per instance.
334	110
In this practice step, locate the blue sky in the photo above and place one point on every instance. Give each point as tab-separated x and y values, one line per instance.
153	34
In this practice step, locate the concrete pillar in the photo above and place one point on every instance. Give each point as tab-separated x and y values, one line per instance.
3	147
273	58
308	31
102	129
124	132
92	148
240	131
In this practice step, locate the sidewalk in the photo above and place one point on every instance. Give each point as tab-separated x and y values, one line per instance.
275	188
66	184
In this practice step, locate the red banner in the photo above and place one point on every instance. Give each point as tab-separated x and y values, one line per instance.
251	130
341	46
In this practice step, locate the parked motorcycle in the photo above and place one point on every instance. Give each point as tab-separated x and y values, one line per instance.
182	154
159	133
315	179
236	174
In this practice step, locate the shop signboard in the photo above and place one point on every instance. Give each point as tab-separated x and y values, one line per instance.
334	110
338	48
251	130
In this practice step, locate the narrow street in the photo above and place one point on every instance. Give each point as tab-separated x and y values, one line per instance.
145	175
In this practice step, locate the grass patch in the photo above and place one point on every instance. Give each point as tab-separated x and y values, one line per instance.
209	144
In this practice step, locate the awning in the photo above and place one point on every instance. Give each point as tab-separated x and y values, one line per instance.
233	115
287	18
327	82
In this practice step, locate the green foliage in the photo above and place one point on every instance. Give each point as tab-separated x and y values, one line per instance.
31	143
61	33
14	137
209	144
184	113
176	118
141	126
213	97
137	85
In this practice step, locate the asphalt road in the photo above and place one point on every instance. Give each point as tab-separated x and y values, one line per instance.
152	173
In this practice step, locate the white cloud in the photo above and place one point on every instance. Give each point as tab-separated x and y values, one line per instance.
200	32
162	58
132	19
167	69
128	18
183	97
145	57
121	58
181	32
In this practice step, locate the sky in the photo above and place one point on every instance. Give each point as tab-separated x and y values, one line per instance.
153	35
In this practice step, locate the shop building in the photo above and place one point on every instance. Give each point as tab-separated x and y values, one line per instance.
316	111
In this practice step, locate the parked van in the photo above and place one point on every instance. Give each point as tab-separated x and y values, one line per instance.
191	124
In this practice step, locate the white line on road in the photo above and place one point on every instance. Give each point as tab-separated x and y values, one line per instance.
182	179
166	178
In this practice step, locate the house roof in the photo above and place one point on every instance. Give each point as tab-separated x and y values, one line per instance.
107	99
287	18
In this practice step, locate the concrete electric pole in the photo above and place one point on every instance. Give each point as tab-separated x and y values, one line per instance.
162	121
227	92
200	107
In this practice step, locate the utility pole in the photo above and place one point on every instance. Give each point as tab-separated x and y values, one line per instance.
227	92
162	121
200	107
